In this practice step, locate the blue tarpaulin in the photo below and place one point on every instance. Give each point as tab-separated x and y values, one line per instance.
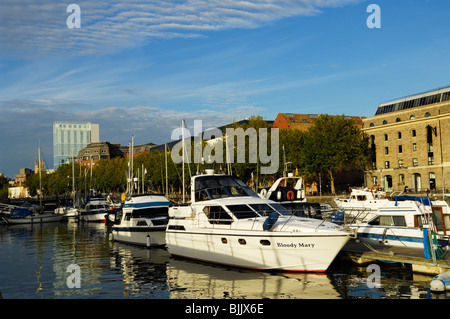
19	212
423	200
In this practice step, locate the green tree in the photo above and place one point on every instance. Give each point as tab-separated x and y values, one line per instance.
333	142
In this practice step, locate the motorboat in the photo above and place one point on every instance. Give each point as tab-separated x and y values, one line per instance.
401	223
362	199
288	191
95	210
227	223
25	215
143	220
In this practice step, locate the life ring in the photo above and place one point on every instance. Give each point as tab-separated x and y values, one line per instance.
263	193
290	195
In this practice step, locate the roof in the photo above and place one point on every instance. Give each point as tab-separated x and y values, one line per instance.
304	121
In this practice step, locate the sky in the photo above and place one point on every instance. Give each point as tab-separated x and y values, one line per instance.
139	67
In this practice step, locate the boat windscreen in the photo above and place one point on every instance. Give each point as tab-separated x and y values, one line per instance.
221	186
242	211
279	208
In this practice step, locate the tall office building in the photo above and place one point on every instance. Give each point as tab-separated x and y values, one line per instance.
68	135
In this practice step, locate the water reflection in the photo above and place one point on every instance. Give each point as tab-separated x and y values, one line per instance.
193	280
34	261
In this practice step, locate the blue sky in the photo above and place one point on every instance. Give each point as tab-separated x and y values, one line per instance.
139	67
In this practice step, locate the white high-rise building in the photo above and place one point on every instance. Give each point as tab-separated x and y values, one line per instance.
68	135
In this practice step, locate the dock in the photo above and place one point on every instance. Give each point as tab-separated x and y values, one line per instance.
414	257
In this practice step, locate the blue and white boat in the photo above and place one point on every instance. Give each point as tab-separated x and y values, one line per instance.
400	222
95	210
143	221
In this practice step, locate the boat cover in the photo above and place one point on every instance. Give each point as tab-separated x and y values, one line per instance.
19	212
423	200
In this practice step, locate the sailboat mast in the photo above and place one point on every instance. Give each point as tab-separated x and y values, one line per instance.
40	179
182	133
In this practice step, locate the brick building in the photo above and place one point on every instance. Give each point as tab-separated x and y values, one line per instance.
410	143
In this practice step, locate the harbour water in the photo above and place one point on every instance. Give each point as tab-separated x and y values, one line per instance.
34	262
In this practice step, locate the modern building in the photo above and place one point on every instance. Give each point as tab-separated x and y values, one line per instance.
410	143
72	135
303	121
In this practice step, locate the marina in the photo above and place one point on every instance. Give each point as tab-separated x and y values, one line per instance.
34	261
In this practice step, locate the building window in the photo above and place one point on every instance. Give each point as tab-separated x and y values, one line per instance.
372	125
427	114
386	150
414	147
386	164
430	160
412	117
397	120
385	137
415	162
384	122
400	149
413	133
400	163
401	179
375	180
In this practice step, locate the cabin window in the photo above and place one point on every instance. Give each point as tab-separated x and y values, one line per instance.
242	241
265	242
242	211
361	197
151	212
141	223
399	221
217	215
224	240
389	221
127	216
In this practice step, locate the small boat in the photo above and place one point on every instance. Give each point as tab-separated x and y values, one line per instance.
401	222
362	202
440	283
95	210
143	221
228	223
288	191
24	215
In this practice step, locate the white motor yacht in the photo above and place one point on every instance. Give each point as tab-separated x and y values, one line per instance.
227	223
400	222
95	210
143	221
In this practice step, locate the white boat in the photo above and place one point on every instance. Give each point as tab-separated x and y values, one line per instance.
362	203
227	223
401	221
95	210
288	191
143	221
23	215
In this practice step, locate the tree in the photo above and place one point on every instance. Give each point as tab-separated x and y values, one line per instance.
332	142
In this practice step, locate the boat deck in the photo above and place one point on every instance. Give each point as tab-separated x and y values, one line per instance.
360	253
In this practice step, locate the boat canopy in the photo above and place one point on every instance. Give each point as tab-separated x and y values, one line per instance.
19	212
423	200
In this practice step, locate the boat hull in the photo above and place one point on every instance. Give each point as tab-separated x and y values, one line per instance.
393	236
35	219
142	236
99	217
260	250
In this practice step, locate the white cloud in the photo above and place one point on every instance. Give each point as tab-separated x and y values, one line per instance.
37	28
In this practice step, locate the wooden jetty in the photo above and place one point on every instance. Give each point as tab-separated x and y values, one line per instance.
361	254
